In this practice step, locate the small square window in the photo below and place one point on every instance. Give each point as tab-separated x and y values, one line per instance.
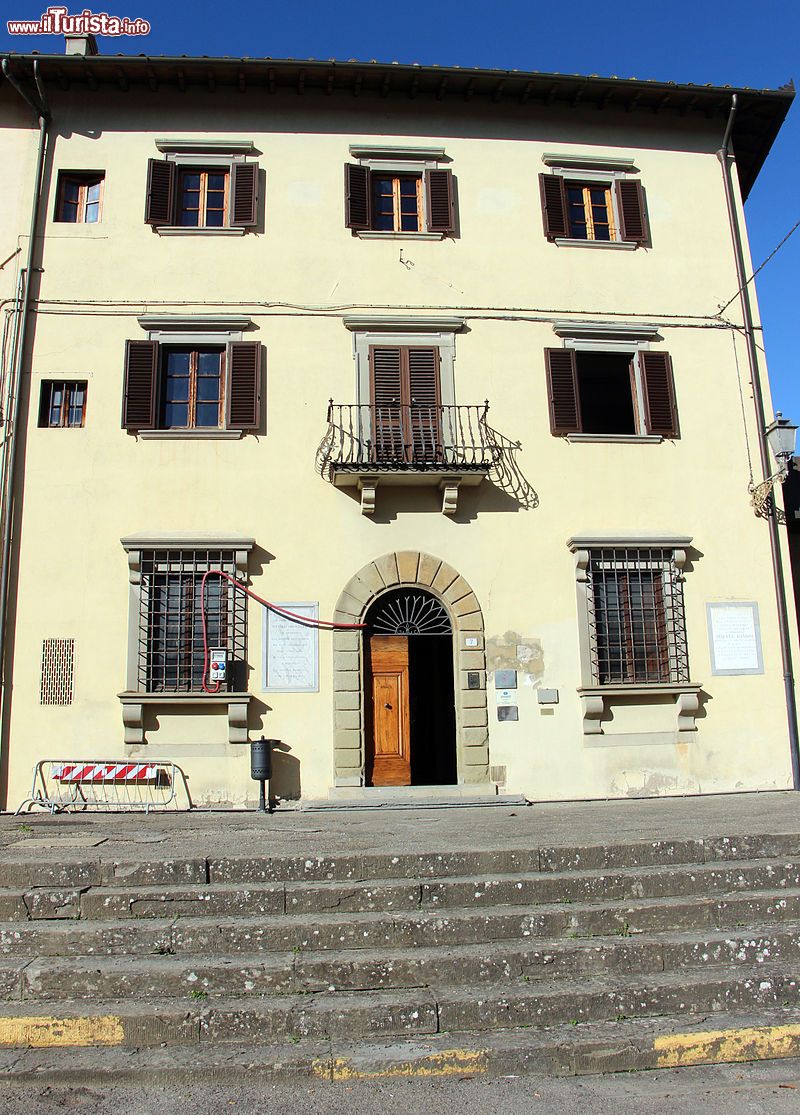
79	197
62	404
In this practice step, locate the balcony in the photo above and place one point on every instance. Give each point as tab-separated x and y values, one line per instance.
367	445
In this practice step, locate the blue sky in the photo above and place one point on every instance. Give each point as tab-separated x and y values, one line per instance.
747	44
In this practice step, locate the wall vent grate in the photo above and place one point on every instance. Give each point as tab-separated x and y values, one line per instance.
58	665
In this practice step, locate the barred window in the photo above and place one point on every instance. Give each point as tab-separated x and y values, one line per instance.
636	617
170	619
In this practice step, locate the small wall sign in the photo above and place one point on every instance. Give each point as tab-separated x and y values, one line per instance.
508	712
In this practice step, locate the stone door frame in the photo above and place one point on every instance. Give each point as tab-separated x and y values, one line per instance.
414	569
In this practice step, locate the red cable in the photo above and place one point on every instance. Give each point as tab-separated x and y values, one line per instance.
324	624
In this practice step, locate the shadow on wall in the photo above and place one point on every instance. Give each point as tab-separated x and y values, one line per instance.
285	782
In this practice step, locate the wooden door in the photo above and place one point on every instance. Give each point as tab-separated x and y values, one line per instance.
389	755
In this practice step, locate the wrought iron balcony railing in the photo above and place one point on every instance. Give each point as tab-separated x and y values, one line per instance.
407	439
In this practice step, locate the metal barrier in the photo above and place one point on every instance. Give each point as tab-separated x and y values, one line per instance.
61	785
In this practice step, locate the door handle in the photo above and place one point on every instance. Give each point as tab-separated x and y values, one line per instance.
387	705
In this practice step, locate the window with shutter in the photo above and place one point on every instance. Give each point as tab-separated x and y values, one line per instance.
192	196
389	201
592	210
195	387
611	393
140	396
244	385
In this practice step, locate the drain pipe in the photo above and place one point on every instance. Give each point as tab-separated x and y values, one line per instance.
726	159
14	392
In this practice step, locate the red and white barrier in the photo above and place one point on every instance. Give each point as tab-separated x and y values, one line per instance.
107	784
105	772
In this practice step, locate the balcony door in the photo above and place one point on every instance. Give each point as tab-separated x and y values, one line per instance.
405	394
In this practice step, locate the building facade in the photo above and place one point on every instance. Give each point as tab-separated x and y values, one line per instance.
269	302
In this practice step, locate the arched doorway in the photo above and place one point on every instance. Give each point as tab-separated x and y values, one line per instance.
410	569
409	697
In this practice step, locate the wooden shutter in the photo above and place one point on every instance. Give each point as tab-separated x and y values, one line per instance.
357	201
562	391
630	202
140	393
386	389
160	204
554	205
244	385
661	416
244	195
424	397
439	198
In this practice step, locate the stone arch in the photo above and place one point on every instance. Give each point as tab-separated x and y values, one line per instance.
392	570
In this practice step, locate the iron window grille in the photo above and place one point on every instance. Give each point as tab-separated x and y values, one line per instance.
170	631
636	617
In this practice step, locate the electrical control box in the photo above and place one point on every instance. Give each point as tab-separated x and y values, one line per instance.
217	665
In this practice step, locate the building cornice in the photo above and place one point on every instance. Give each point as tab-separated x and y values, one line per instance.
502	92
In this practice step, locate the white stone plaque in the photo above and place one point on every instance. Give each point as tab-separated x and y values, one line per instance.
734	638
506	696
291	650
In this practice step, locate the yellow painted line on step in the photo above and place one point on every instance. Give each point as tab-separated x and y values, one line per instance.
450	1062
710	1047
47	1032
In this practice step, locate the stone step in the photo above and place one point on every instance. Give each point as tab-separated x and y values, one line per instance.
571	1050
202	978
390	896
235	935
406	1013
21	871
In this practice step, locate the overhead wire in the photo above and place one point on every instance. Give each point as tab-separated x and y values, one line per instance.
761	267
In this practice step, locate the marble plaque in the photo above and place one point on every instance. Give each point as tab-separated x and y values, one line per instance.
734	638
291	650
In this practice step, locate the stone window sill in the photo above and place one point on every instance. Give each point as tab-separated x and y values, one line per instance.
617	439
369	234
619	245
133	705
179	230
594	698
189	435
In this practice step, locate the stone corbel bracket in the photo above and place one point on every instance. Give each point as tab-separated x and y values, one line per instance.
133	706
368	486
449	490
594	699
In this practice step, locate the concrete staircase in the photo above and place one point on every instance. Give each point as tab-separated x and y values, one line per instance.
564	959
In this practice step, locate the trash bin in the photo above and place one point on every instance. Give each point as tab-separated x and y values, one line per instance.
261	767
